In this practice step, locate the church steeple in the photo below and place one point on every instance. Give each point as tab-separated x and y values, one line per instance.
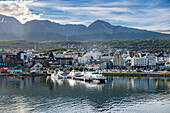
51	56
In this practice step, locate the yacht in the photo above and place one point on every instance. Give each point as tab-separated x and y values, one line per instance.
59	75
74	73
94	77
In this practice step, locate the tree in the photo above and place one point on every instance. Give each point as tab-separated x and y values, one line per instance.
41	68
69	68
85	69
167	69
90	69
161	69
80	68
53	68
62	65
61	68
84	53
36	56
75	68
46	63
155	69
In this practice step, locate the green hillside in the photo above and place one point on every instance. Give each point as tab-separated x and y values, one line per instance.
156	44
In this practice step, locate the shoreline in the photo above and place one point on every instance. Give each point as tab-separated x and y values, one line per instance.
135	74
107	74
26	75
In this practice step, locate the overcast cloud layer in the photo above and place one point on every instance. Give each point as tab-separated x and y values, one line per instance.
143	14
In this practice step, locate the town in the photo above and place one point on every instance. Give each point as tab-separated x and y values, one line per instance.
121	60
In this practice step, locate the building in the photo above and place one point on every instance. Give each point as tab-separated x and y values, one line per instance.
146	62
10	61
59	61
37	60
118	63
71	55
167	64
93	55
95	65
106	58
82	60
130	53
22	55
150	61
162	57
138	63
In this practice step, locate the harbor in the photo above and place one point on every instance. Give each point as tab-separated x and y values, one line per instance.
119	94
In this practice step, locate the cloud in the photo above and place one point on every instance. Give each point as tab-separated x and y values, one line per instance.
124	3
114	9
18	10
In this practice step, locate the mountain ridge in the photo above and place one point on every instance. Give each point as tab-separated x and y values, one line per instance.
45	30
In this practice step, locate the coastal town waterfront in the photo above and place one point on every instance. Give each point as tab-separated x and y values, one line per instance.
119	94
96	60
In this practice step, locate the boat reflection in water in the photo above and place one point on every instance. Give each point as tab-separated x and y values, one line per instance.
55	80
87	85
74	83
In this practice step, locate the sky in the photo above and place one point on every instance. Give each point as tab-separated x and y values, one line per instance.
143	14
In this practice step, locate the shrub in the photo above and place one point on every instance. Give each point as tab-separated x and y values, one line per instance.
53	68
62	65
41	68
161	69
75	68
44	71
85	69
61	68
69	68
155	69
33	72
168	69
80	68
91	69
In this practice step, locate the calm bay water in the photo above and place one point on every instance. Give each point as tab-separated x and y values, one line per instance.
120	94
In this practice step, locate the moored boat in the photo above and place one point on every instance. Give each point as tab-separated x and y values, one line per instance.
74	73
94	77
59	75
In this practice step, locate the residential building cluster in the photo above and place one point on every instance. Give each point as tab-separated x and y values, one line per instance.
92	59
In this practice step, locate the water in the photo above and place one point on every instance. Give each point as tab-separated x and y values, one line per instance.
120	94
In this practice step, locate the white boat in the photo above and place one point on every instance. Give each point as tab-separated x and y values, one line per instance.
95	77
59	75
74	73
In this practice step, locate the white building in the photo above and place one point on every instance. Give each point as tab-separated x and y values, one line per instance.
148	62
106	58
95	55
82	60
59	55
117	63
70	55
138	62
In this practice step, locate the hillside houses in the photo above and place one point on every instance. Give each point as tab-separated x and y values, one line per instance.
92	59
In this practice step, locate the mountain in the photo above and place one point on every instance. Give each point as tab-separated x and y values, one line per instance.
44	30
